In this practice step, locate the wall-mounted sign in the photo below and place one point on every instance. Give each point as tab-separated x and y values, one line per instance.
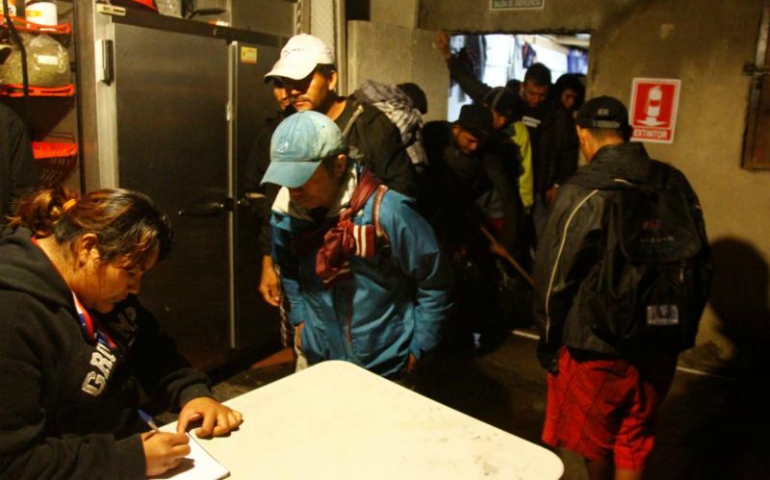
516	4
654	102
249	55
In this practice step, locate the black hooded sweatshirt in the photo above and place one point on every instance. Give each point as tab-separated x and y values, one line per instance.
67	404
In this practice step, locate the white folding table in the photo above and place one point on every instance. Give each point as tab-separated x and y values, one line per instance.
338	421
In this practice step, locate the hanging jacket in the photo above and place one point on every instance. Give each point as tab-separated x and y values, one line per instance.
69	405
393	303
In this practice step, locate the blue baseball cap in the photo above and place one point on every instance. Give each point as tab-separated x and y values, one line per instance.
298	145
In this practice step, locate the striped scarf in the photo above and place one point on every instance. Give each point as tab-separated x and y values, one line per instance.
344	238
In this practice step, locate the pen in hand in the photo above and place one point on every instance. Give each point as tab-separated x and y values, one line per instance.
149	421
162	451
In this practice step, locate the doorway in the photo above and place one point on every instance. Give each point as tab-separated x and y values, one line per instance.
498	58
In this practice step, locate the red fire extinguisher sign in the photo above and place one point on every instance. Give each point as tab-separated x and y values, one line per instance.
654	102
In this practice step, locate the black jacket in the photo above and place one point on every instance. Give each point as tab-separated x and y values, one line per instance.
374	141
18	172
572	244
559	149
69	405
500	146
455	186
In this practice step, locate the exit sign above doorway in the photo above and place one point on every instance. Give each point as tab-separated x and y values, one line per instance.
516	4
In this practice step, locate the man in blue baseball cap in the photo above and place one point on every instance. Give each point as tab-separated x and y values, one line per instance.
361	269
298	147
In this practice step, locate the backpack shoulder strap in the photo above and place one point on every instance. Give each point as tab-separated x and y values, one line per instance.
367	186
359	109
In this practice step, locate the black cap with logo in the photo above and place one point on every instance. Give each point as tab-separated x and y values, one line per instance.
603	112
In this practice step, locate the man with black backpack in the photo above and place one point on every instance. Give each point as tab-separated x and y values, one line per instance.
622	276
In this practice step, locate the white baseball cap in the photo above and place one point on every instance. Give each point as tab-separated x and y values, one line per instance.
300	56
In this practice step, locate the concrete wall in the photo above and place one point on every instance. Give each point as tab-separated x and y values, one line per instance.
396	54
704	43
395	12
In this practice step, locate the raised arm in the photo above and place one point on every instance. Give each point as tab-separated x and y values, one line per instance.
459	71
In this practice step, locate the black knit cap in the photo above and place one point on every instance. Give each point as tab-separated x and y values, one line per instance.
477	120
603	112
505	102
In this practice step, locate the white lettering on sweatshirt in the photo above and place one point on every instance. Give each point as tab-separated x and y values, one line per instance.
95	381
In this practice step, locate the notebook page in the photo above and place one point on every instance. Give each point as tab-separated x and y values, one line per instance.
198	465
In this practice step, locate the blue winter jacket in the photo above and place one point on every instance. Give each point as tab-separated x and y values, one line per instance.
392	305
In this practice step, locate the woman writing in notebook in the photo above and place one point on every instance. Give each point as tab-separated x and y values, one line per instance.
76	347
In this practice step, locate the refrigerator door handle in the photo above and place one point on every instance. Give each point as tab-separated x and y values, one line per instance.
108	61
208	209
251	199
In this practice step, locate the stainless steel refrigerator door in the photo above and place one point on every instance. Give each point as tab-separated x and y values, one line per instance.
172	94
256	323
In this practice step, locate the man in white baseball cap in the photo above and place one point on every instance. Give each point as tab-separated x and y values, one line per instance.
306	68
300	57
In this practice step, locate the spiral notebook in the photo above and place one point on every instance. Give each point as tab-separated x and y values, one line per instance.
198	465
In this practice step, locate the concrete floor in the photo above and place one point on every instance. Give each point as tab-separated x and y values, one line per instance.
710	428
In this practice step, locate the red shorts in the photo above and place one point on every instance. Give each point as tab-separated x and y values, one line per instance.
607	408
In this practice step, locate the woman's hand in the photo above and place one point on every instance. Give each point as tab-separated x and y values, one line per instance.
217	419
163	451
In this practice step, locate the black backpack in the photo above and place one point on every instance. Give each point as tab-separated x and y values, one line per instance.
651	285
